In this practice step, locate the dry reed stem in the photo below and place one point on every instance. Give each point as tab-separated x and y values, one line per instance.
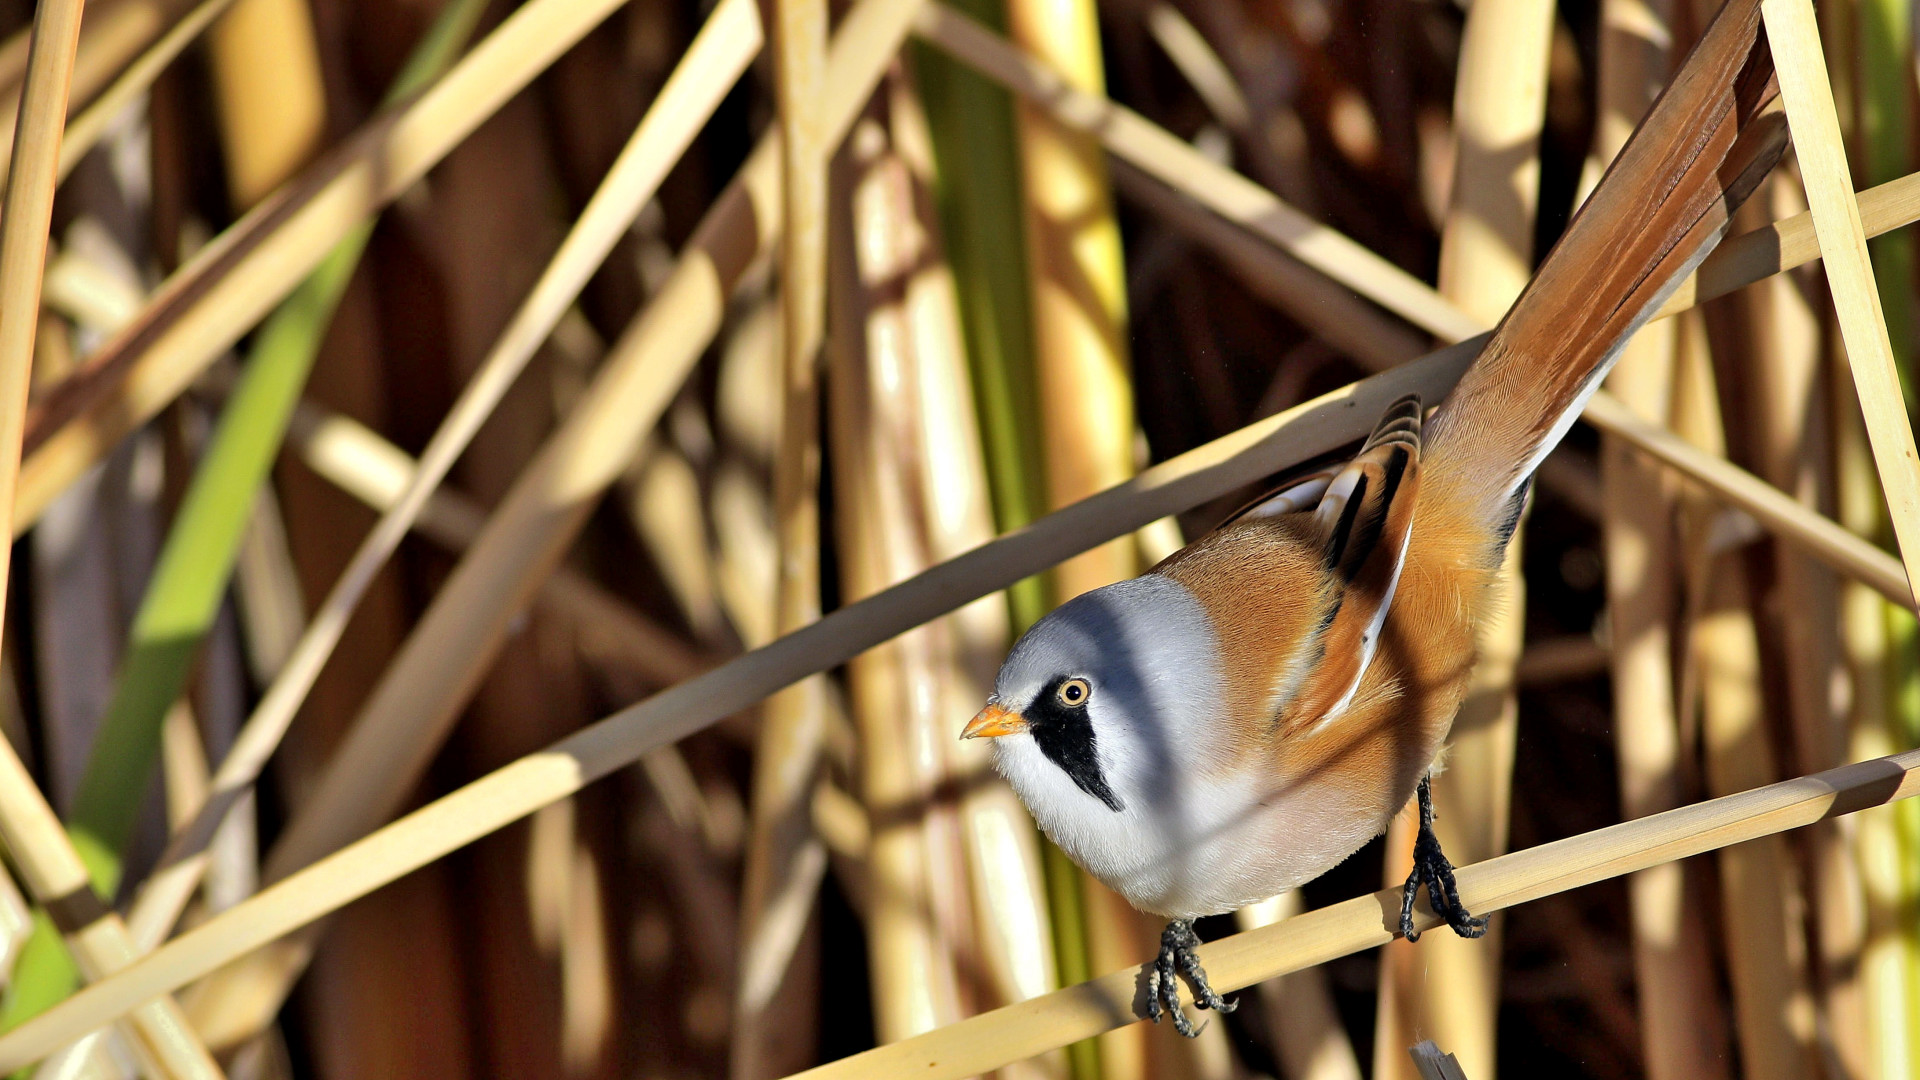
919	913
109	39
1012	935
1795	38
419	696
537	780
224	290
719	53
785	858
1017	1031
269	103
359	462
1682	1027
1450	990
1134	139
1759	883
87	128
1233	461
1165	157
46	857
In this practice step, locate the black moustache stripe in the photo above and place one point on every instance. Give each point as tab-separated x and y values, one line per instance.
1065	734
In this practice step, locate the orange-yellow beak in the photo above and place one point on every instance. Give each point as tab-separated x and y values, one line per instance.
994	720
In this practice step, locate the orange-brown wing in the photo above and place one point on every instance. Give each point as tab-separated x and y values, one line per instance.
1366	517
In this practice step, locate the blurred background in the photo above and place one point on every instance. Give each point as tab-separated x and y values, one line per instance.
1012	323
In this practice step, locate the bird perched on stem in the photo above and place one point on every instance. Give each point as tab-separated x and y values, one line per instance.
1253	710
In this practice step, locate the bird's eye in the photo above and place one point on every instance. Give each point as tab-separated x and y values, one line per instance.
1074	693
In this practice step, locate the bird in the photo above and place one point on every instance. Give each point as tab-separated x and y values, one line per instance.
1258	706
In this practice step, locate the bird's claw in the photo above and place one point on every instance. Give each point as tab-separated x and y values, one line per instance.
1177	957
1431	868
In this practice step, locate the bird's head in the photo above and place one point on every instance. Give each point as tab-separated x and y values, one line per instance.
1104	704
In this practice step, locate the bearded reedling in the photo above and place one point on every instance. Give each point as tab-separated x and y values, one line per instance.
1247	714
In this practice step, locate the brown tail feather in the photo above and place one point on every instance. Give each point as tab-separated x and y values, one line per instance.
1702	149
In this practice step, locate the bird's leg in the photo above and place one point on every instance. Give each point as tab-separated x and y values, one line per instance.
1431	868
1176	958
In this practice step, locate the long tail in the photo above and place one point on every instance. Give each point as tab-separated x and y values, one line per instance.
1702	149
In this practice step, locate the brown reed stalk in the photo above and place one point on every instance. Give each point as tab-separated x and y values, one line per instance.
785	858
1795	39
1302	1023
715	59
411	709
919	918
1012	941
982	1042
54	872
1236	199
1760	885
509	793
204	307
1682	1026
269	102
1449	990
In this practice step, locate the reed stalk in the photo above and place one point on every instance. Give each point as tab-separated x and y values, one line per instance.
982	1042
411	709
1795	39
1012	937
1683	1031
683	104
1305	1030
1882	852
87	128
1207	472
785	858
234	281
269	101
1082	389
55	874
919	921
1761	891
1450	989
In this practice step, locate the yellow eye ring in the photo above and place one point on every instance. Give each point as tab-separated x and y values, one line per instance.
1074	693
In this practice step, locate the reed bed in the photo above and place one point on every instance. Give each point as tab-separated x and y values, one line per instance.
392	390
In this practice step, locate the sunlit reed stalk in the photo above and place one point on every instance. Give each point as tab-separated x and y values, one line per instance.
269	102
1235	198
235	280
53	872
1303	1025
1448	988
537	780
1880	641
982	1042
1884	855
785	861
1761	892
412	708
1080	383
1795	40
919	923
983	217
1682	1026
629	184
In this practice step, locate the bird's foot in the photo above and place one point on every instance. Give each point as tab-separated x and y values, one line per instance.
1431	868
1177	958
